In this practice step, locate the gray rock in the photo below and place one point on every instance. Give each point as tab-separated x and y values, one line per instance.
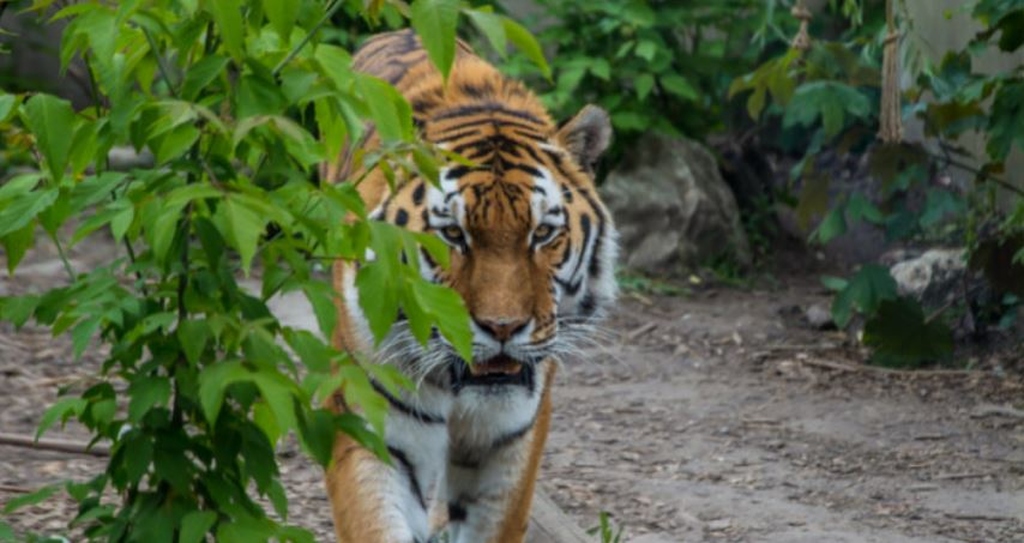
933	277
673	210
819	317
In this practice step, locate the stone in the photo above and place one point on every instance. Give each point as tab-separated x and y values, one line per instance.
933	277
673	209
819	317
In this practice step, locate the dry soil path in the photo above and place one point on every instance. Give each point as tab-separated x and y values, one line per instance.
711	417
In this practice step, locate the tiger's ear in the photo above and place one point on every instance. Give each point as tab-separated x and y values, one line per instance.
586	136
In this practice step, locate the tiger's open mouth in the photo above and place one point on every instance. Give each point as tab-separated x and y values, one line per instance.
496	371
497	366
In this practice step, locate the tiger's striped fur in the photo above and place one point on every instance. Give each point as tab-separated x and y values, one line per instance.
532	255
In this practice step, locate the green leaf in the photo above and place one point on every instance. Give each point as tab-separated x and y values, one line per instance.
317	433
435	22
859	208
646	49
449	312
600	68
62	409
901	336
7	103
32	498
147	393
6	532
227	15
643	85
940	204
242	227
282	15
95	189
19	213
322	296
18	309
378	297
832	102
213	382
313	352
867	289
50	119
1005	123
831	227
201	74
193	336
195	525
834	283
492	26
171	145
389	110
82	334
259	95
16	244
525	42
264	418
278	392
121	221
679	86
162	229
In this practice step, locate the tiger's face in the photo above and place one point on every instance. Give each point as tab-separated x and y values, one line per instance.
532	247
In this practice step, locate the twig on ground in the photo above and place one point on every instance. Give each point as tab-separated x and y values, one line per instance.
978	516
57	445
640	331
991	410
864	368
960	476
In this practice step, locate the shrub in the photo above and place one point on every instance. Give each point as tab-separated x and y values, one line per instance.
653	65
238	102
827	98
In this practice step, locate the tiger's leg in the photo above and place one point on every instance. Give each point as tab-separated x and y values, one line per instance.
374	502
497	443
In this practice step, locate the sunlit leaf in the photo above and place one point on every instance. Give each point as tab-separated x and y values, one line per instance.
435	21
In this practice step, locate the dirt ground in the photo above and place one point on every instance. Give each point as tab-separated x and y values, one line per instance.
715	416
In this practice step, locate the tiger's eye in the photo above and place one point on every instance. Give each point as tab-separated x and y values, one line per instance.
452	232
543	232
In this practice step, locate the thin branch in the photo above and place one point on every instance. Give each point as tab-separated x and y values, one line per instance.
948	157
57	445
63	256
160	63
309	36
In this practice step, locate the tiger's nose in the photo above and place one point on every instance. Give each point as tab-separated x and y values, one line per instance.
502	329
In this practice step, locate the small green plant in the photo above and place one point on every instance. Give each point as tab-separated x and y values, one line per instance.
633	282
239	102
605	530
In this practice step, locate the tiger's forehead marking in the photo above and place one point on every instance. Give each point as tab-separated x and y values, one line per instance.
546	202
523	203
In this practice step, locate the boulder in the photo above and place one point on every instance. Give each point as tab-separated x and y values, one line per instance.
933	278
673	209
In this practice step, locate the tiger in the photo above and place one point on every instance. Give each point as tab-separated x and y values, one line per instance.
532	255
